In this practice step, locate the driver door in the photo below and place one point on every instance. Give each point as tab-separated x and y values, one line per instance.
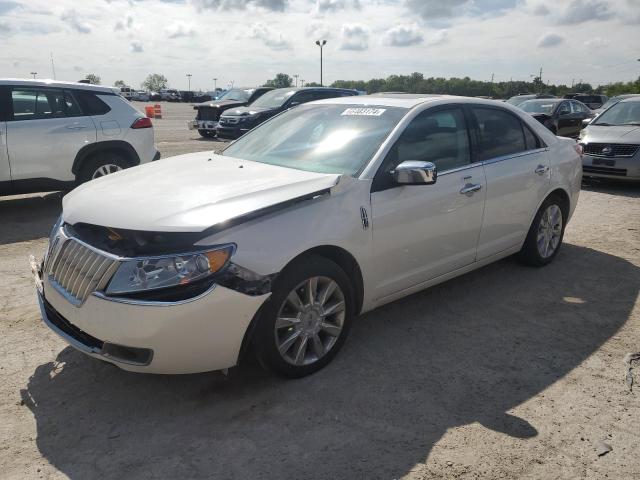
421	232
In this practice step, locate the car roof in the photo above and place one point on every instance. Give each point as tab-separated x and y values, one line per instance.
547	100
27	82
405	100
630	99
324	89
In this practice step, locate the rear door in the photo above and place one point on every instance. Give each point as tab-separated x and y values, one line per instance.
5	168
516	166
421	232
45	132
565	119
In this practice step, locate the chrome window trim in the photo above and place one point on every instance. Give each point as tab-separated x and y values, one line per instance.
493	160
153	303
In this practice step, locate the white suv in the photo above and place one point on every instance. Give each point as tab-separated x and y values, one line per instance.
56	135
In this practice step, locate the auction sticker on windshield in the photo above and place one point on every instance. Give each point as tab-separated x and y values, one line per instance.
367	112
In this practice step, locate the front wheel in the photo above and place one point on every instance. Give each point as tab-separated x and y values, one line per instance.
307	319
546	233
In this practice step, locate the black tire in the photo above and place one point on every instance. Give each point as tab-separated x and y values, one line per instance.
206	133
530	253
99	160
265	337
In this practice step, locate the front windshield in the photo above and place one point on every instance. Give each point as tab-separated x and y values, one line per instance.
622	113
273	99
538	106
515	101
319	138
235	94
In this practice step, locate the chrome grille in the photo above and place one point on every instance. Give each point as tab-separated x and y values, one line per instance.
77	270
610	149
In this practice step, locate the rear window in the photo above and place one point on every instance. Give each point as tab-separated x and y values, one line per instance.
91	104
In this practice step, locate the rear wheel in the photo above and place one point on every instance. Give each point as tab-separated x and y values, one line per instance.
102	164
206	133
546	233
307	319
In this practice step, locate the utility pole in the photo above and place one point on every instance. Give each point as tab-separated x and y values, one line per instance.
296	77
53	67
302	82
215	85
34	74
189	80
492	77
321	44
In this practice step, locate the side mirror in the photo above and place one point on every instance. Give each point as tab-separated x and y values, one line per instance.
294	104
586	122
414	172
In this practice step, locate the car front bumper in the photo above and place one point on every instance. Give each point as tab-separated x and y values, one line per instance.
197	335
620	168
207	125
231	132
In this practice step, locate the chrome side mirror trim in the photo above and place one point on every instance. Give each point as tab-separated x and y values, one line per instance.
414	172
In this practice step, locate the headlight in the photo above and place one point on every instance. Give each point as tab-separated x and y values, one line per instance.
152	273
54	230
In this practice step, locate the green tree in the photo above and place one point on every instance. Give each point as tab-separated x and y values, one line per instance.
155	82
282	80
119	83
93	79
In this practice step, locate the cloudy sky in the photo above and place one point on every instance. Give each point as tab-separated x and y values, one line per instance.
249	41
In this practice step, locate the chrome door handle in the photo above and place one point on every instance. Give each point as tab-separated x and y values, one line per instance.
76	127
542	169
470	189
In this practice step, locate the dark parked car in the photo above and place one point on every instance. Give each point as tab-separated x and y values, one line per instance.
591	101
206	121
237	121
563	117
523	97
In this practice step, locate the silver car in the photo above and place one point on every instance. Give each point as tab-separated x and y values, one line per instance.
611	142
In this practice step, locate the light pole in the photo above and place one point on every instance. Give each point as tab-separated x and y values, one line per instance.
34	74
189	80
301	82
321	44
215	84
296	77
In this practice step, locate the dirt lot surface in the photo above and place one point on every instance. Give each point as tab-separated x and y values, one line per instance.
507	372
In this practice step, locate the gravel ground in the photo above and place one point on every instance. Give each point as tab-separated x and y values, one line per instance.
507	372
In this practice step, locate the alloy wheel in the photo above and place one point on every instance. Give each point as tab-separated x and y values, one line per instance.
310	321
549	231
106	169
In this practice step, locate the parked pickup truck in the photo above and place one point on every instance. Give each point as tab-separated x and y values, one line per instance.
206	121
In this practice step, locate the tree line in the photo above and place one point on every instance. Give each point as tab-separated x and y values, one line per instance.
417	83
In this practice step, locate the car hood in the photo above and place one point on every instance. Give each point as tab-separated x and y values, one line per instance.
188	193
244	111
219	103
622	133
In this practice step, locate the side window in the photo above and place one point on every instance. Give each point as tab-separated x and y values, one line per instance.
91	103
499	133
304	97
530	139
438	137
72	107
564	108
31	104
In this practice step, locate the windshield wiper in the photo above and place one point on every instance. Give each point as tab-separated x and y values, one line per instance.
631	123
603	124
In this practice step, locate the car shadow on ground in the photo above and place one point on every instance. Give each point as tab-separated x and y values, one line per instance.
466	351
611	187
27	218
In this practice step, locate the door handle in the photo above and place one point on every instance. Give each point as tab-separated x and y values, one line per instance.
542	169
76	127
470	189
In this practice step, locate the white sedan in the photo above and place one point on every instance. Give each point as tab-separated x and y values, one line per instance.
326	211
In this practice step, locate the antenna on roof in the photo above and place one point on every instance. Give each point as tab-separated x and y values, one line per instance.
53	67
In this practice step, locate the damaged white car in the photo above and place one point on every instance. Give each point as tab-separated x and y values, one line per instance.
326	211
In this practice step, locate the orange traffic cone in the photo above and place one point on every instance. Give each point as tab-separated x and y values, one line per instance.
157	111
148	111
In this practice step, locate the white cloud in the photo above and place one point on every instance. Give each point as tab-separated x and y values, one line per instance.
318	30
323	6
541	10
439	38
136	47
581	11
275	5
270	37
71	17
180	29
550	40
597	42
403	36
355	36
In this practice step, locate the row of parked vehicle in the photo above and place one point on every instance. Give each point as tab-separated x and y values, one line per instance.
240	109
165	94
